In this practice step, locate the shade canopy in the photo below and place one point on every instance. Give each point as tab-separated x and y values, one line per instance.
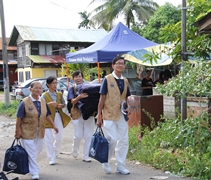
137	56
119	40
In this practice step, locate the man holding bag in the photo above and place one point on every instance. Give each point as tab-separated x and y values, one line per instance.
113	92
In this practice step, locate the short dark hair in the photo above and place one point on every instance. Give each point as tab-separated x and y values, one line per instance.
116	59
76	73
148	71
50	79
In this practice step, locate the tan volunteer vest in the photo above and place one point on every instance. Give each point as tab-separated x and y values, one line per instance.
65	118
31	122
113	100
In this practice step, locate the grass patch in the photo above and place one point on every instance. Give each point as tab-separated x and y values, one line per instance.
9	111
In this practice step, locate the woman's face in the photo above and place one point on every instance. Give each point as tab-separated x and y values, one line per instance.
36	90
52	86
78	79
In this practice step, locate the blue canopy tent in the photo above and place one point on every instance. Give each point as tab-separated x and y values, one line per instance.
119	40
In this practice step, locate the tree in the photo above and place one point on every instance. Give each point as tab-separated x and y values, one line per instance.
197	44
86	23
130	10
167	14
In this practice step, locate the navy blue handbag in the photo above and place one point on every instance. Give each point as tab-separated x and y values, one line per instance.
99	146
16	159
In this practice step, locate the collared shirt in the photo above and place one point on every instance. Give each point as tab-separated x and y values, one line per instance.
53	96
21	108
120	83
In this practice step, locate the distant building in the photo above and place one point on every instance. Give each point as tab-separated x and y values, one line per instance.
12	62
41	51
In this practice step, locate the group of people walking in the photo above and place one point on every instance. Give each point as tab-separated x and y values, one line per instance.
40	118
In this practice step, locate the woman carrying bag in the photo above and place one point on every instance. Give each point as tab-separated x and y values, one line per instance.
83	129
32	113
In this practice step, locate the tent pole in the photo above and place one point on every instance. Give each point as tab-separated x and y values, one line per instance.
98	67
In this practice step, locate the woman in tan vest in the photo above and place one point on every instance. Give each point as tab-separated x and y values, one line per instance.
55	102
32	113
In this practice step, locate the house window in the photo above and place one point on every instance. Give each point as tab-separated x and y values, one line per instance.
20	51
21	77
10	55
27	49
34	49
1	58
45	49
55	49
27	75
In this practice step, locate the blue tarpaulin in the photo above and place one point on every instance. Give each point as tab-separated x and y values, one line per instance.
119	40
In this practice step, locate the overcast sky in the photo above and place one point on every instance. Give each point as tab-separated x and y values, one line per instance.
50	13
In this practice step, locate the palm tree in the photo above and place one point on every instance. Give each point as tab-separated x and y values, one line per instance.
86	23
128	9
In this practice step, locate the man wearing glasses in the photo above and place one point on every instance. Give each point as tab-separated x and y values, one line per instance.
113	93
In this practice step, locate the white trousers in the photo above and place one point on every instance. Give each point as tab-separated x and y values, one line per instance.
53	141
83	129
116	132
33	148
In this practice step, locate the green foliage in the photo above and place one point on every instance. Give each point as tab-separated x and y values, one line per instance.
182	149
9	110
194	80
112	9
198	44
95	72
167	14
83	67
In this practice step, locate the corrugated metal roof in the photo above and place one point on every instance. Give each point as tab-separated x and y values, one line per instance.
47	59
29	33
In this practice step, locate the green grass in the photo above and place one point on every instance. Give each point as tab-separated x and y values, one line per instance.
9	111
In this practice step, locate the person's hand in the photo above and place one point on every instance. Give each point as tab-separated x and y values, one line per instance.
60	106
128	111
99	120
56	129
54	104
83	95
18	134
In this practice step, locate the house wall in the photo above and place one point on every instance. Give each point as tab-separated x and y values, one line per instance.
34	72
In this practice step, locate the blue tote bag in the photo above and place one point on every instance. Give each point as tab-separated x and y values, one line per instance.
99	146
16	159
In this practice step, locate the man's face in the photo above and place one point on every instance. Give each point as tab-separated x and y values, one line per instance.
119	66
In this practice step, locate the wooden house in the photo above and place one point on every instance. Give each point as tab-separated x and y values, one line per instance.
41	51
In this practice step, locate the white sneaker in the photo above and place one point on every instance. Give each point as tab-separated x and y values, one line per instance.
75	154
106	167
35	177
87	160
52	163
122	170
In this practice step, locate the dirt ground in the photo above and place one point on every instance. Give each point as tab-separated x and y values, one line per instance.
68	168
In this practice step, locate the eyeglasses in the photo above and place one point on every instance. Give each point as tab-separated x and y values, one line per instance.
120	64
54	83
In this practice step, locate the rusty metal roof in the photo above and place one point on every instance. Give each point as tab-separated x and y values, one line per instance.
29	33
47	59
11	48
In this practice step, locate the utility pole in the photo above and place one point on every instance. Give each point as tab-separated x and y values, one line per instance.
184	57
4	55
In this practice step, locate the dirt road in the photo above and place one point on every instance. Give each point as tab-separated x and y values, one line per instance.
68	168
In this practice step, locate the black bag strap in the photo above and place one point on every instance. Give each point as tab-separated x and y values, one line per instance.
99	129
18	142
